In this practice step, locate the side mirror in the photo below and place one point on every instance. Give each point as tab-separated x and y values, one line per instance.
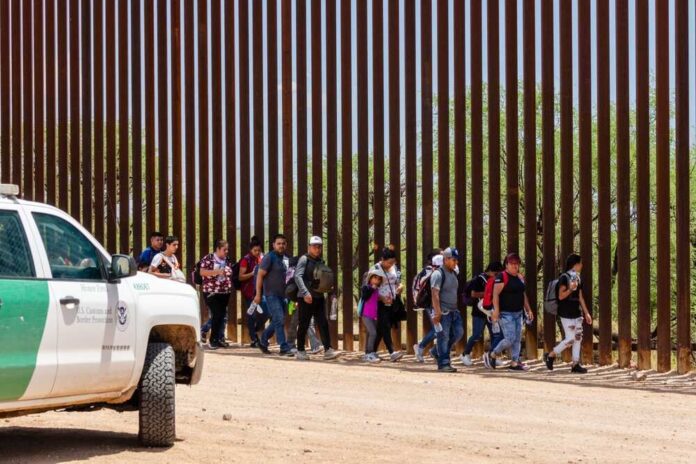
122	266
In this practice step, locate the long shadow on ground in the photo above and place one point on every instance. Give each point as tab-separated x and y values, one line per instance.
53	445
597	377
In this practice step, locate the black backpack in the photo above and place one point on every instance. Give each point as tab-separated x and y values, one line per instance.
236	283
466	298
196	276
291	289
424	298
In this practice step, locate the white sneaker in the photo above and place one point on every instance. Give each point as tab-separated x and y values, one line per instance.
395	356
302	356
419	353
373	358
330	354
317	350
466	360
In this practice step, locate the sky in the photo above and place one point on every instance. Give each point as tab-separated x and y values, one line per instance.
313	35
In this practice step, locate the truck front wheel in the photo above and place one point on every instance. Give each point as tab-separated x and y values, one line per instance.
157	386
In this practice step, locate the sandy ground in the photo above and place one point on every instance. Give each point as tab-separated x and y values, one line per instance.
286	411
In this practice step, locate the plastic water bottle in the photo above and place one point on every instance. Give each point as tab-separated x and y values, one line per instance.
438	327
333	313
252	308
527	320
496	327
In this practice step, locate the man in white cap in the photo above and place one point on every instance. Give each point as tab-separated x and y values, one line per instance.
311	300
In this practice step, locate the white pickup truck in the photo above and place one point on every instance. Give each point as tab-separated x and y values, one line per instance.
81	329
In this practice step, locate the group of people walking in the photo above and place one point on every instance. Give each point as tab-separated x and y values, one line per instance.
499	303
263	282
276	288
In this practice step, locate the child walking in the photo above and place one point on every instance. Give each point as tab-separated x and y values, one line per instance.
370	300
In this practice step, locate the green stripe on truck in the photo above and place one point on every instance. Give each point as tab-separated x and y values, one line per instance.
22	320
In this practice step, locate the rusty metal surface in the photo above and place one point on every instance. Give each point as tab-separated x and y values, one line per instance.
124	153
623	187
443	125
332	148
530	166
346	179
5	95
512	128
163	148
643	215
476	140
585	167
683	248
548	167
494	191
128	154
662	178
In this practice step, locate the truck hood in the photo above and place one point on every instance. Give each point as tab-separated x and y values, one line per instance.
144	282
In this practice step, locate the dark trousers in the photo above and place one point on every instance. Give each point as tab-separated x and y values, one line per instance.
217	304
256	322
479	325
305	313
384	327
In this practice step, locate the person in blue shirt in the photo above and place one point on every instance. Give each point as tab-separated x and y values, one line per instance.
156	246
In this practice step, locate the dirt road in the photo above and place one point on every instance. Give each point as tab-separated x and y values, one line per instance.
286	411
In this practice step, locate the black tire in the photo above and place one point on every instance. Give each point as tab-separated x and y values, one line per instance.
157	386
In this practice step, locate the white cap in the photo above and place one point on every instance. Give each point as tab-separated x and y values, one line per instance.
437	260
315	241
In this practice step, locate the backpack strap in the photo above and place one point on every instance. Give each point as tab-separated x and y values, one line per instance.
169	263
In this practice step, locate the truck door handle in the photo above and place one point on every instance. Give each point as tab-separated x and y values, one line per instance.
70	300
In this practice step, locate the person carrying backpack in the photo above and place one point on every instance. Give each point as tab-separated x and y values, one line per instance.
434	262
247	268
312	302
216	272
447	318
509	301
474	293
164	264
572	311
389	292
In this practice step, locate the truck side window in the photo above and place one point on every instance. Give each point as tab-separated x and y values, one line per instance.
15	256
70	254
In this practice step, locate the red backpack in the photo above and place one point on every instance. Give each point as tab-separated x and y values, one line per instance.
488	292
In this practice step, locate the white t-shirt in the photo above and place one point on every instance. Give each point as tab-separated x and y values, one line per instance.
390	283
158	260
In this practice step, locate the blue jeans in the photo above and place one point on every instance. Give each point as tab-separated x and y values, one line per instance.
275	306
511	326
452	332
479	324
430	336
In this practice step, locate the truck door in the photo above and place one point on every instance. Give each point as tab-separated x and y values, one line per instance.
27	319
96	340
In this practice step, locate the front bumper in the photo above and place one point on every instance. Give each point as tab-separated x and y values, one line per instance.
198	366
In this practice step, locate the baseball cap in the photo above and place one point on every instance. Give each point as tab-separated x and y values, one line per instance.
451	252
315	241
437	260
